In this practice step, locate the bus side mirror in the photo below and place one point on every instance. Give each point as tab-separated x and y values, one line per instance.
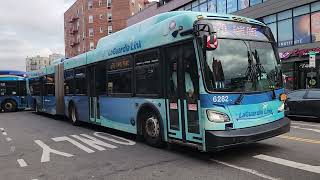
210	42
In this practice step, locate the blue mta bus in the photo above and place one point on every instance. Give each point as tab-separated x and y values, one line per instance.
206	80
13	90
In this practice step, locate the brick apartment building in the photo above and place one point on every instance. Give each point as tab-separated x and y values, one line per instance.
86	21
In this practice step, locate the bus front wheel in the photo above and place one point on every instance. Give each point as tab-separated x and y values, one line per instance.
152	130
9	106
73	115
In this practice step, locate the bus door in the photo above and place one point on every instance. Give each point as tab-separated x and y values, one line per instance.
94	106
183	93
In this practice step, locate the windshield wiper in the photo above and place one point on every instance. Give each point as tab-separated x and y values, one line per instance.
239	99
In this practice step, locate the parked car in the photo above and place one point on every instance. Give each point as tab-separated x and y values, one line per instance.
304	103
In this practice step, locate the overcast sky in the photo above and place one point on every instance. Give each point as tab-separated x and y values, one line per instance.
29	28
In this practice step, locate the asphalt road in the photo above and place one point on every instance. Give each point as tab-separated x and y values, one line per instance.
41	147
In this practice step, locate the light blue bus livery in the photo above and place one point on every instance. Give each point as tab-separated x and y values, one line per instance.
206	80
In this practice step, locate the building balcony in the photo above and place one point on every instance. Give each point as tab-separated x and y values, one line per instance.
73	19
74	43
73	30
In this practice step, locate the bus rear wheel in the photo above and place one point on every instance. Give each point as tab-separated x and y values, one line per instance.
152	130
73	115
9	106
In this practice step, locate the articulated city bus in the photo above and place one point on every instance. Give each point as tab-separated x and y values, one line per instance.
206	80
13	90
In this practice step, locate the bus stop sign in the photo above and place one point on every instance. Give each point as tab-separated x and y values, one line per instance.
312	59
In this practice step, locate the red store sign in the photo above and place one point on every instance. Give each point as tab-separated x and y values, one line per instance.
298	52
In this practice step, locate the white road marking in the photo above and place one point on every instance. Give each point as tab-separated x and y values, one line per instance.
4	133
94	142
8	139
123	142
22	163
47	150
305	124
284	162
251	171
1	129
79	145
308	129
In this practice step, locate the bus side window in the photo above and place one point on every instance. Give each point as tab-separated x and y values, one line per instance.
69	82
119	75
100	71
147	74
80	81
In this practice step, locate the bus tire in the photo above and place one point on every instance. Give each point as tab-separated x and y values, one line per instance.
152	132
9	106
73	115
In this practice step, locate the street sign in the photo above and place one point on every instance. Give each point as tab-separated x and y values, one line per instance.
312	59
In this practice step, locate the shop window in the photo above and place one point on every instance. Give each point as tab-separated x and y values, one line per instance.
147	73
232	6
80	81
315	26
285	34
285	15
273	27
315	6
195	6
242	4
203	7
222	6
188	7
212	6
301	29
270	19
301	10
255	2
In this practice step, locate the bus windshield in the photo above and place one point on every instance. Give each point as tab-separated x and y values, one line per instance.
242	64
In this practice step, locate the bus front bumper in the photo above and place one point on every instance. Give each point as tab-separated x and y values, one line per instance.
219	140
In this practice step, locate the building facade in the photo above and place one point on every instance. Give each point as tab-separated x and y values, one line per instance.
86	21
38	62
294	23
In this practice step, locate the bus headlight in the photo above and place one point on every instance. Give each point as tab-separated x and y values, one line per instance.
217	117
281	108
